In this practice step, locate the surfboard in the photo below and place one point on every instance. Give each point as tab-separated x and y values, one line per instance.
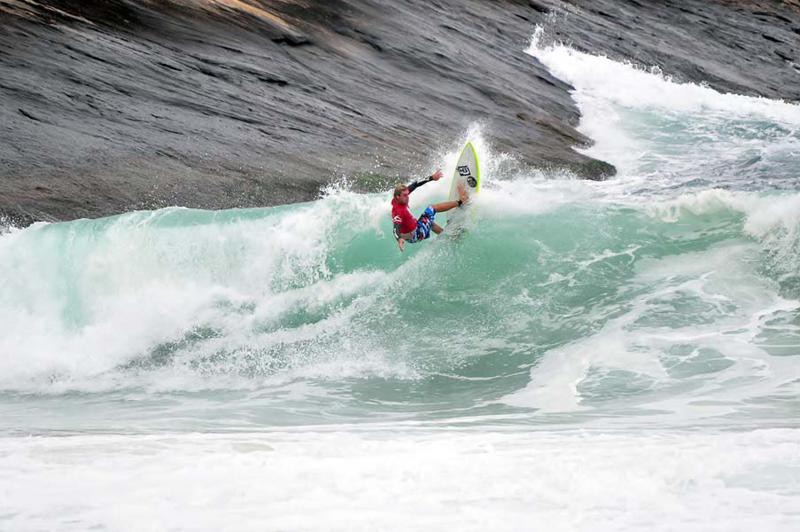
468	172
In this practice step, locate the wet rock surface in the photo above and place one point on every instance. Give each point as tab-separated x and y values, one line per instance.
108	106
750	48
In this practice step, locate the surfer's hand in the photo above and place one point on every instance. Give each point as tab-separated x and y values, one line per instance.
401	244
437	175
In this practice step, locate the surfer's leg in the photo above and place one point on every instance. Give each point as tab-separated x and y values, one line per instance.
445	206
437	228
462	192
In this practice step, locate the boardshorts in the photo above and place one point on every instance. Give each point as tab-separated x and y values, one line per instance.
424	224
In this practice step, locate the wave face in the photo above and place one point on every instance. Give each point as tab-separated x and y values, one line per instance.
667	295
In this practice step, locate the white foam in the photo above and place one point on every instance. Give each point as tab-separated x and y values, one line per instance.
346	479
80	299
764	213
736	303
659	132
634	86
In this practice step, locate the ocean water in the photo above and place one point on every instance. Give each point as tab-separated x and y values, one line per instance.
588	356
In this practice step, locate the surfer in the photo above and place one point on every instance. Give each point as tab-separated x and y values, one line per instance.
410	229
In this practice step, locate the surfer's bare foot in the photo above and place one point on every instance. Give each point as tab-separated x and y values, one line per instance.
462	193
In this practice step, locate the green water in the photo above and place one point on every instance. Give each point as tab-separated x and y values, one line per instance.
309	314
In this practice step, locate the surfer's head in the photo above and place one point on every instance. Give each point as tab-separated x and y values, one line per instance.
401	193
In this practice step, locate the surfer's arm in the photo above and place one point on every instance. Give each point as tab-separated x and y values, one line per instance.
400	237
418	183
396	231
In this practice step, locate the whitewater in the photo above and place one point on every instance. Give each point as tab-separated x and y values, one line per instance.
618	355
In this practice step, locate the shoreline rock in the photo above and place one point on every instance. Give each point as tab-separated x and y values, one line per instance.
116	105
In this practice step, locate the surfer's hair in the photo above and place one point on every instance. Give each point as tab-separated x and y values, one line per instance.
398	189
